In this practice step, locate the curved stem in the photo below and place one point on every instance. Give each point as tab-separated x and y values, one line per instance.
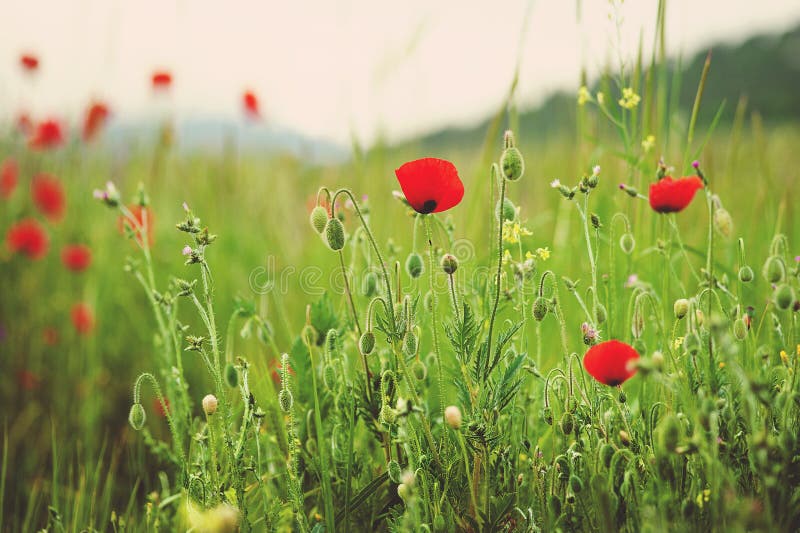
497	277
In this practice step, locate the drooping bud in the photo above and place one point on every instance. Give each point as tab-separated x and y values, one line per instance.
334	234
567	423
740	329
692	343
449	264
231	375
511	163
506	211
746	274
387	415
601	314
329	376
627	243
575	483
784	297
539	308
668	434
774	270
319	219
452	416
137	416
680	308
438	523
418	370
366	343
370	284
404	491
414	265
210	404
410	344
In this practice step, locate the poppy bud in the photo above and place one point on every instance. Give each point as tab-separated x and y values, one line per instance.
627	243
370	284
366	343
449	264
606	454
680	308
137	416
410	344
210	404
600	313
539	308
784	297
285	400
511	162
438	523
387	415
595	219
567	423
575	483
231	375
554	503
393	469
334	234
657	358
452	416
506	211
624	437
329	376
414	265
774	270
723	222
740	329
404	491
692	343
547	414
319	219
746	274
418	370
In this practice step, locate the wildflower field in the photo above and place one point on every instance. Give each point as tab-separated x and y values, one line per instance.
596	330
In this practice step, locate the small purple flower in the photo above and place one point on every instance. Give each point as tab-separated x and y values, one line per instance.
100	195
187	250
696	164
596	170
797	258
632	280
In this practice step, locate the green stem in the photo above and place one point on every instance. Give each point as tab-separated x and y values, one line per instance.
434	305
497	277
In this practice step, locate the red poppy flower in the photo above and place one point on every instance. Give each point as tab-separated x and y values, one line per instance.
276	372
82	318
76	257
250	104
50	336
27	380
430	185
29	62
29	238
670	196
48	195
9	176
162	80
96	116
610	362
24	123
46	135
144	218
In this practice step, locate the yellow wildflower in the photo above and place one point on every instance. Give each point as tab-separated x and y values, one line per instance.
677	342
649	143
601	98
543	253
703	497
784	357
506	257
629	98
512	231
528	256
584	95
721	365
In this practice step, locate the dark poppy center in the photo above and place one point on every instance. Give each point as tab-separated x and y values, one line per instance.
428	207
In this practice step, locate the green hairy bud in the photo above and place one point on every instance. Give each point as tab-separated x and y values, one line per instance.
319	219
410	344
366	343
137	416
414	265
285	400
506	211
539	308
627	243
511	163
746	274
334	234
784	297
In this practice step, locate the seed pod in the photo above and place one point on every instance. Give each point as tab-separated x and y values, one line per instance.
540	308
507	211
334	234
680	308
627	243
746	274
418	370
410	344
285	400
370	284
452	416
393	469
231	375
784	297
366	343
137	416
319	219
449	264
774	269
567	423
740	329
414	265
210	404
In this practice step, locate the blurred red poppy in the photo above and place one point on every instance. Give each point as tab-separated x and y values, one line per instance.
143	217
96	117
9	177
161	80
76	257
29	238
46	135
50	336
668	195
24	123
430	185
29	62
82	318
610	362
48	196
250	104
27	380
159	409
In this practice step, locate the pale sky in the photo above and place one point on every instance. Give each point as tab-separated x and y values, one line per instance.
328	68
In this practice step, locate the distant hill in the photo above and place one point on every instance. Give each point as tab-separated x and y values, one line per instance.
764	68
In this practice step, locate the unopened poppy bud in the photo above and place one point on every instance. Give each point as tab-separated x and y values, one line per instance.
774	270
784	297
410	344
506	211
554	502
668	433
547	414
394	471
539	308
438	523
723	222
600	313
210	404
452	416
567	423
370	284
366	343
680	308
418	370
137	416
595	219
319	219
231	375
334	234
740	329
575	483
622	397
627	243
449	264
511	162
692	343
606	454
624	437
329	376
630	191
657	358
387	415
285	400
403	491
414	265
746	274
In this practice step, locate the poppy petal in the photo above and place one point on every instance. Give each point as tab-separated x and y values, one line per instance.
669	195
430	185
610	362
